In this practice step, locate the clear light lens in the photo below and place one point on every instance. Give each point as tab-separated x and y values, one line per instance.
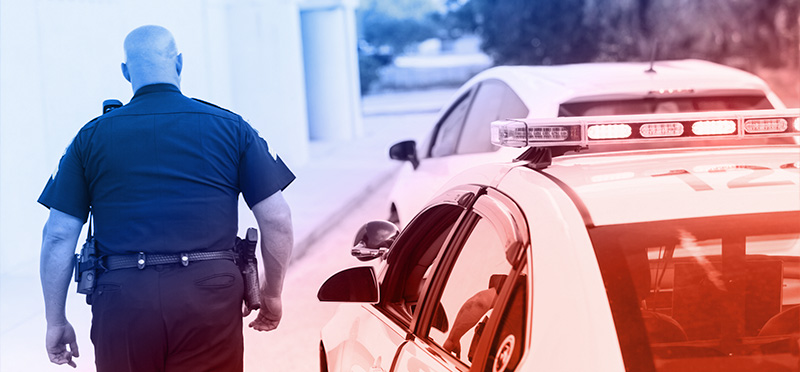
519	134
609	131
712	127
661	130
765	125
509	133
797	124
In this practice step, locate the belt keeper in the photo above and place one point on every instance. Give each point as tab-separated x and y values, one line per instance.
184	259
140	262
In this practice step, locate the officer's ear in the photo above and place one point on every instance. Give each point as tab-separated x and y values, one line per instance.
179	63
125	72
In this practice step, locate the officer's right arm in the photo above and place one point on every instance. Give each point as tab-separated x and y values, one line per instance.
59	239
275	222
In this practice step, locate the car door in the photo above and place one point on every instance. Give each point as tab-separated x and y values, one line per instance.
474	313
363	337
460	140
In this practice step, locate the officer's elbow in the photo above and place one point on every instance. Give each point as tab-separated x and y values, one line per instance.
60	228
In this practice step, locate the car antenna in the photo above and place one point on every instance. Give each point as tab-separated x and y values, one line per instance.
653	54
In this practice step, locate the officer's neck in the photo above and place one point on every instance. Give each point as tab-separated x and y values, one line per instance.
138	83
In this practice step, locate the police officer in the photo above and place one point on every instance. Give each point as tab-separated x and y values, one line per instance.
161	177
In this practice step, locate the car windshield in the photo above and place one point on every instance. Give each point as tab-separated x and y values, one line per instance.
655	105
717	293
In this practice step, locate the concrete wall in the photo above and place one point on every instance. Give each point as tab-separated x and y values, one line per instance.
331	68
60	59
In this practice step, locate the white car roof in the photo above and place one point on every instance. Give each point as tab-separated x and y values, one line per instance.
543	88
654	185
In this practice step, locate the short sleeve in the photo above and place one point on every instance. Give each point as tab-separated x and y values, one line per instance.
67	189
261	173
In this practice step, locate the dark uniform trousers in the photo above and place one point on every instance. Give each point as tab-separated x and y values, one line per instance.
169	318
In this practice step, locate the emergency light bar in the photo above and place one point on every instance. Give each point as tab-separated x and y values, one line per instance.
584	130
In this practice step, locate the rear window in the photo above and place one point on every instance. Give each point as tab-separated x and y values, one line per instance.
717	293
664	105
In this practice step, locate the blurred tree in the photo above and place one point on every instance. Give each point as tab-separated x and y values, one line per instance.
745	33
386	29
394	35
535	32
621	28
458	19
402	9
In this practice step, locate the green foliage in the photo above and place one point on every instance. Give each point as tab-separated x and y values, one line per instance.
381	30
369	66
457	21
387	28
535	32
400	9
747	33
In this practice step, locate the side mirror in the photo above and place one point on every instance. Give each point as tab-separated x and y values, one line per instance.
374	239
356	284
406	150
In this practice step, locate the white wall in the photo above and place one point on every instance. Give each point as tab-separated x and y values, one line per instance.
60	59
331	68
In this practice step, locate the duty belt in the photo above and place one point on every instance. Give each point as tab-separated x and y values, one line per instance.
141	260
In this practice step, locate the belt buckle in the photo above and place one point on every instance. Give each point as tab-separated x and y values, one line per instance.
140	261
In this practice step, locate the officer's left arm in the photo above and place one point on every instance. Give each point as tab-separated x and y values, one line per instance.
59	239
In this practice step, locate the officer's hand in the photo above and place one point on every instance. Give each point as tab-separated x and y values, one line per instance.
453	347
269	315
57	339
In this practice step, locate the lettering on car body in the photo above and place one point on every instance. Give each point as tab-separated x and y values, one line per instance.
747	180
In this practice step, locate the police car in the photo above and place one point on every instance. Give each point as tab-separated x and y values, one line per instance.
623	243
460	137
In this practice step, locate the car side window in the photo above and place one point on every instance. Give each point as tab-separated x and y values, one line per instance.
467	299
494	101
412	257
449	128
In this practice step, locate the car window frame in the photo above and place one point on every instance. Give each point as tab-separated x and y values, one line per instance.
507	95
450	254
390	281
468	95
566	108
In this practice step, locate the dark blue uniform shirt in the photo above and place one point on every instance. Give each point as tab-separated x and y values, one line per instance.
163	174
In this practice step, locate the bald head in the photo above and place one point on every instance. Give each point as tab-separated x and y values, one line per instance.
151	57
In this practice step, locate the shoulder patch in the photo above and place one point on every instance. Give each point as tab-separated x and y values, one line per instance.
212	105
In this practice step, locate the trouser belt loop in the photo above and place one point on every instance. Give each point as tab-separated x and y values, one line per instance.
184	259
141	261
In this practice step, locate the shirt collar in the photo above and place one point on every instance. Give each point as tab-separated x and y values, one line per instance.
156	88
